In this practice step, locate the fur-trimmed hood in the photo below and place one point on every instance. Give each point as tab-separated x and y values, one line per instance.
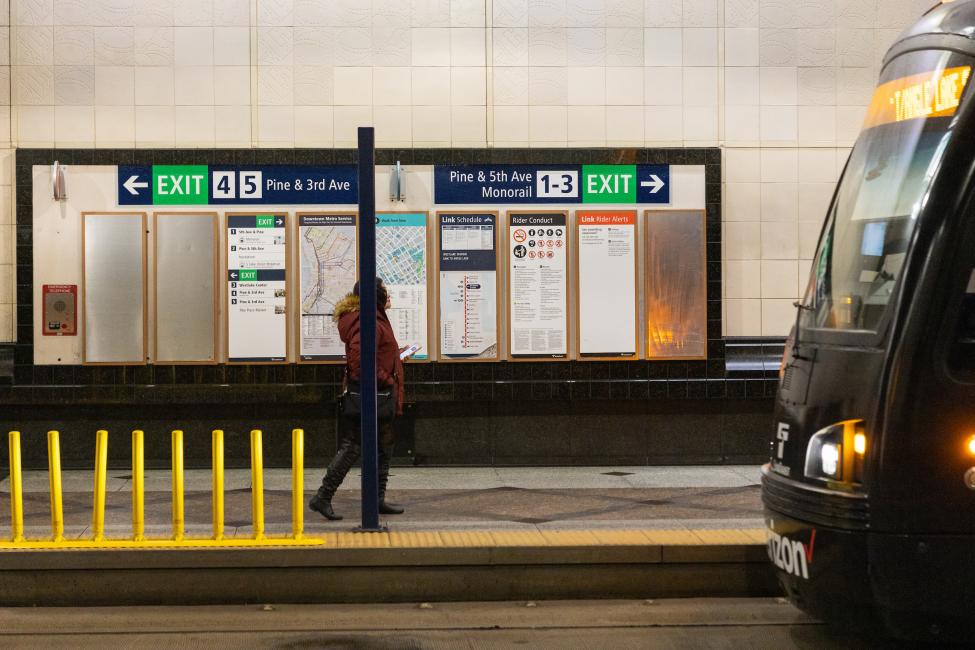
345	306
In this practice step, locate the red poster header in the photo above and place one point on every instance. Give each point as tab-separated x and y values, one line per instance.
607	218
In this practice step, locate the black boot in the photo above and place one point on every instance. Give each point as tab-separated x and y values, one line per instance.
386	508
346	457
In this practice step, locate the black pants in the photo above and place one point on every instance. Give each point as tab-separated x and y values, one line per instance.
350	450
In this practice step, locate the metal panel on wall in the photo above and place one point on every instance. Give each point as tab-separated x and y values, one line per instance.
114	285
676	285
185	287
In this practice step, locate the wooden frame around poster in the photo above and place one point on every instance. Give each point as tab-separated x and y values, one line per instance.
83	330
287	290
497	293
507	303
636	288
215	219
646	279
296	263
427	249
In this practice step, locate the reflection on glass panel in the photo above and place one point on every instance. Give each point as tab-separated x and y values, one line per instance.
184	287
676	285
114	290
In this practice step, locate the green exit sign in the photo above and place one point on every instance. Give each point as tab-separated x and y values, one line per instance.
246	276
180	185
265	221
609	183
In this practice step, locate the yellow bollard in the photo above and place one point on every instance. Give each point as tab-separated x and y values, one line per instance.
54	476
297	483
217	484
101	471
16	489
138	486
178	523
257	484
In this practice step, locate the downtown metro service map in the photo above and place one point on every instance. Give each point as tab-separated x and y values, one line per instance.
328	273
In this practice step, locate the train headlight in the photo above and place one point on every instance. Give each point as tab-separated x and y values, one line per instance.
824	454
837	452
971	446
829	454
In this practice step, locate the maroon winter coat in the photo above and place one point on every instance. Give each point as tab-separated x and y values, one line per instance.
389	367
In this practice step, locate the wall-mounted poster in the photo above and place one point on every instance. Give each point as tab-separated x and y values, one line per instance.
538	290
327	273
257	288
113	284
676	285
401	261
468	265
607	284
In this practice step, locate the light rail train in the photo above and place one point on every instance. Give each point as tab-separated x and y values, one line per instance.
869	493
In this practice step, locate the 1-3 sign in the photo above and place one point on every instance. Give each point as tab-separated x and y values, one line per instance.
557	184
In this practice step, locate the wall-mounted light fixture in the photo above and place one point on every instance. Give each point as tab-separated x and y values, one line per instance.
397	183
57	177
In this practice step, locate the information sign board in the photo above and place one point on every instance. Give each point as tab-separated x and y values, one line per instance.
257	292
327	273
607	284
401	261
538	285
468	263
474	184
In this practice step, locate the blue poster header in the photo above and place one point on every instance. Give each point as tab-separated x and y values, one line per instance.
468	242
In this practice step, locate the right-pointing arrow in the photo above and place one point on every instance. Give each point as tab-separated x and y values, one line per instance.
654	183
131	184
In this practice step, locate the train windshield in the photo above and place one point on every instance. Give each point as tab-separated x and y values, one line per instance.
883	191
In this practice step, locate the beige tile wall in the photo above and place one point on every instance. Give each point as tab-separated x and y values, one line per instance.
780	84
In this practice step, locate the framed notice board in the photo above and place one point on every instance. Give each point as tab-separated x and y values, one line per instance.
185	287
327	272
402	255
114	309
467	274
256	266
606	278
537	300
675	284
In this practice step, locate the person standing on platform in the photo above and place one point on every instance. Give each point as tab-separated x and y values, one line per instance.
389	376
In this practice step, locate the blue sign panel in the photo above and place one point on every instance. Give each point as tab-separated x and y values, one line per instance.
467	242
237	185
535	184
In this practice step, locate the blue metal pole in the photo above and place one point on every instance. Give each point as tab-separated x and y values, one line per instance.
367	327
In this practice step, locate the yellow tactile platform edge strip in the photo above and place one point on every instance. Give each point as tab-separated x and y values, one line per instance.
430	539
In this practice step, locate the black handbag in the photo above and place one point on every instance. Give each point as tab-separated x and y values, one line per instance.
352	402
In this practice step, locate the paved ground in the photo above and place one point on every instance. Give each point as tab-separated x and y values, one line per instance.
435	498
688	623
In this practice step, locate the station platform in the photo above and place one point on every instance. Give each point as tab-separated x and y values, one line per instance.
468	533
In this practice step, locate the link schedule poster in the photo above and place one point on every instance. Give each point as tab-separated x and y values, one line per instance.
257	302
468	264
607	284
537	285
327	273
401	261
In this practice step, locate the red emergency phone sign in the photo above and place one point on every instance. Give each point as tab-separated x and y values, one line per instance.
60	312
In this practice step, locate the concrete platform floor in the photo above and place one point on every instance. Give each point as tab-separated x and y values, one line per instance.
714	623
471	498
